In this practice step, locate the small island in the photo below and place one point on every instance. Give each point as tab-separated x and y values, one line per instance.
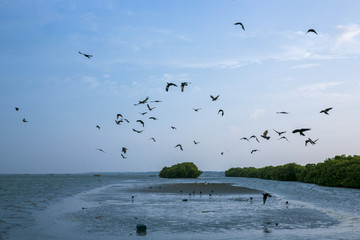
181	170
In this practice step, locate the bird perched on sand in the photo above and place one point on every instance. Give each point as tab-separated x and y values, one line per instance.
16	109
326	111
98	127
279	132
239	23
196	109
183	84
282	112
255	150
99	149
179	145
214	98
86	55
152	139
265	196
140	121
310	141
221	111
253	136
311	30
169	85
142	102
150	109
264	135
137	131
301	131
244	138
24	120
283	137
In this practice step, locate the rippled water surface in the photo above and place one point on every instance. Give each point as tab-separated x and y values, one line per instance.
87	207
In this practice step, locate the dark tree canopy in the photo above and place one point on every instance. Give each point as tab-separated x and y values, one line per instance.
181	170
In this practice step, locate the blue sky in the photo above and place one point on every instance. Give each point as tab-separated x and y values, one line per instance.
138	46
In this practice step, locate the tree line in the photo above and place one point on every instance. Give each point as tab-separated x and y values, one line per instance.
340	171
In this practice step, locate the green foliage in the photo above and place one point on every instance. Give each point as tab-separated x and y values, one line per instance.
340	171
181	170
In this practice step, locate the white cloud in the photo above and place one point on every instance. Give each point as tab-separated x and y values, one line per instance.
302	66
92	82
318	87
350	34
257	113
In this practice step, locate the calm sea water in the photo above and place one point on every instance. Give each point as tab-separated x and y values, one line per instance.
82	206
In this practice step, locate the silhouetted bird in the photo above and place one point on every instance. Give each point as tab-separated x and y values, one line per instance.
123	156
126	120
265	196
173	127
279	132
153	118
100	150
255	150
142	102
196	142
98	127
253	136
310	141
156	101
86	55
137	131
282	113
183	84
214	98
196	109
283	137
124	150
16	108
24	120
311	30
143	113
239	23
150	109
244	138
179	145
221	111
140	121
169	85
326	111
301	131
119	115
119	121
264	135
152	139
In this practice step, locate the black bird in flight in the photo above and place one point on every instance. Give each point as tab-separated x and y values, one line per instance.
168	85
282	112
242	25
173	127
119	121
16	108
196	109
142	102
311	30
126	120
123	156
124	150
140	121
265	196
310	141
137	131
179	145
153	118
86	55
143	113
244	138
214	98
100	150
279	132
152	139
326	111
283	137
301	131
156	101
264	135
221	111
253	136
183	84
98	127
195	142
255	150
150	109
119	115
24	120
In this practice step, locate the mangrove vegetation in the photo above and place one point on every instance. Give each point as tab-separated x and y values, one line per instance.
181	170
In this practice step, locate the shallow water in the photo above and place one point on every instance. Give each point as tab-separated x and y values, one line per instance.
87	207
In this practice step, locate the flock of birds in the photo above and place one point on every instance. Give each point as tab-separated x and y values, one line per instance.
170	85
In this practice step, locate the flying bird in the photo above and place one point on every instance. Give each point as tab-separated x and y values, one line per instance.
124	150
137	131
282	112
173	127
150	109
279	132
140	121
183	84
264	135
86	55
283	137
310	141
153	118
126	120
265	196
326	111
156	101
24	120
179	145
100	150
253	136
255	150
196	109
142	102
143	113
119	121
311	30
16	108
152	139
119	115
244	138
196	142
214	98
98	127
169	85
221	111
123	156
239	23
301	131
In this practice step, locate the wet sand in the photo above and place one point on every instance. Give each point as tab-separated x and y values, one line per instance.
205	188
